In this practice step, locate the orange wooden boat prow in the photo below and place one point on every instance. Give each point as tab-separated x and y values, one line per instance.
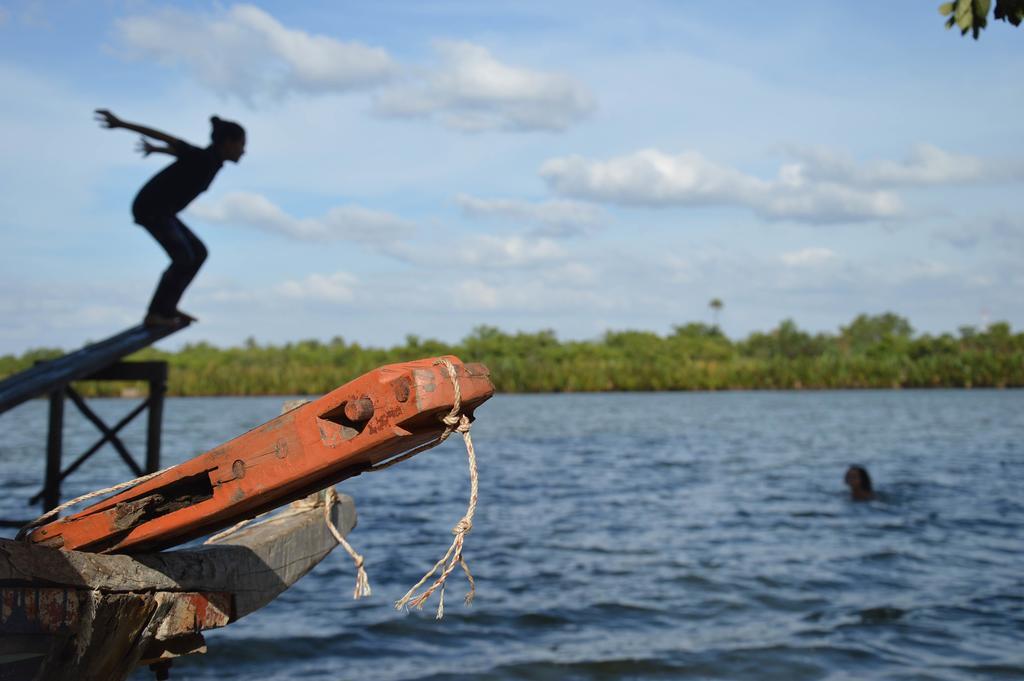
379	415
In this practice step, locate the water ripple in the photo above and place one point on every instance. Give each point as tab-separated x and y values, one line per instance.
646	536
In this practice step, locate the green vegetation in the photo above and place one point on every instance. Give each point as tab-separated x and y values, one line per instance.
872	351
972	15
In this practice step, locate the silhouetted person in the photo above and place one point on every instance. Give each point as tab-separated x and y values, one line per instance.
860	483
158	202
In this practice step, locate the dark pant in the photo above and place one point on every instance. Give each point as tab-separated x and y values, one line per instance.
187	255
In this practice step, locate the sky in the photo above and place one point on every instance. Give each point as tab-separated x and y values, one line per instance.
427	168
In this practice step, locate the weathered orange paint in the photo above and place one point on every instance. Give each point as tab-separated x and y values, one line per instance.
196	612
284	459
53	610
38	610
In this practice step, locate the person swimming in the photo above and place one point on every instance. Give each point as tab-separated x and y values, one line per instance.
166	194
859	480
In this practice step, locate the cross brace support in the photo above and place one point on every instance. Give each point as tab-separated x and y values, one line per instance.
153	373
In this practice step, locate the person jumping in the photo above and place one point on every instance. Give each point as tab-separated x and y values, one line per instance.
168	192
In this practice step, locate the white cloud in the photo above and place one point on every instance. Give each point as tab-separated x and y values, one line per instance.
573	274
556	218
654	178
387	233
472	91
348	223
474	294
332	288
229	295
924	165
52	313
245	51
485	251
507	251
536	295
808	257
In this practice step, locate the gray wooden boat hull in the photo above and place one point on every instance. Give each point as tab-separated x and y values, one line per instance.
74	616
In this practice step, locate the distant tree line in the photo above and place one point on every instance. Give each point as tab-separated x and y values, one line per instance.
872	351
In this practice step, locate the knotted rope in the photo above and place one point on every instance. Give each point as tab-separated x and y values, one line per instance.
454	421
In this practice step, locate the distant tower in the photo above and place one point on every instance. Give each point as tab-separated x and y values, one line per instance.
716	306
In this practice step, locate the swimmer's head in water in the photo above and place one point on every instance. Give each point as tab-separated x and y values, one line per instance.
859	480
228	138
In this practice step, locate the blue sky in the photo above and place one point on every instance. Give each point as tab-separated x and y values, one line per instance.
424	168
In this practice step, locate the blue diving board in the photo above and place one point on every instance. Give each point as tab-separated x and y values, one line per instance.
47	376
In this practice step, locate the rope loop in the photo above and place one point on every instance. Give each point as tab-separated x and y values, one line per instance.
326	498
362	588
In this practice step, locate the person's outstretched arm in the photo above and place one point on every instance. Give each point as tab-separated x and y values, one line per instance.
109	120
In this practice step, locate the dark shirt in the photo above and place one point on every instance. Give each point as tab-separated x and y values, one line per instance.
174	187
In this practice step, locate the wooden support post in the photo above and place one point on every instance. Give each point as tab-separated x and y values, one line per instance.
155	375
154	428
54	450
95	447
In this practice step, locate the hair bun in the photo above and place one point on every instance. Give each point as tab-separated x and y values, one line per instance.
225	130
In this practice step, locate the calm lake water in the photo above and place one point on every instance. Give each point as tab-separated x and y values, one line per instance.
645	536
